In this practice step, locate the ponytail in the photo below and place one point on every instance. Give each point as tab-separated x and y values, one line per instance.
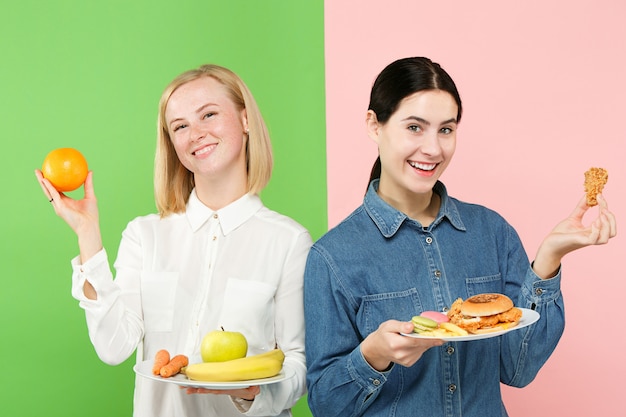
375	174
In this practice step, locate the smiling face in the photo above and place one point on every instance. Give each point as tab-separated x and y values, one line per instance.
208	132
415	145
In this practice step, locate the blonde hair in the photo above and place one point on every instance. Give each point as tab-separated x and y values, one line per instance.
173	182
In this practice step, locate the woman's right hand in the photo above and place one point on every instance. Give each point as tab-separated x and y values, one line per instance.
80	215
387	345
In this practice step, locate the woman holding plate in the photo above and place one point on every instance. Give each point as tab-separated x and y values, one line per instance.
214	256
410	247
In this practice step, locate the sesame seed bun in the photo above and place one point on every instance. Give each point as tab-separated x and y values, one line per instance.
486	305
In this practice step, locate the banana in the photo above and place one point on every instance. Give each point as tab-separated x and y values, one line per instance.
277	354
263	365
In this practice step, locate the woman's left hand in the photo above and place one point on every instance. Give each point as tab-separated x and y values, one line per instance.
570	234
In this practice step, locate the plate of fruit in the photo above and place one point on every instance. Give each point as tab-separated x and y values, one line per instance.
225	365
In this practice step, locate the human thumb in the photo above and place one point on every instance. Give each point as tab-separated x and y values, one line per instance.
407	327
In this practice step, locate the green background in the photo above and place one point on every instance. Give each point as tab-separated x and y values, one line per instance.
88	74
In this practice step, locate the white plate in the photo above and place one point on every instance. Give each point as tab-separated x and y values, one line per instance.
528	318
144	369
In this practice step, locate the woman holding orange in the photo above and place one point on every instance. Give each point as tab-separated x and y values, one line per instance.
214	256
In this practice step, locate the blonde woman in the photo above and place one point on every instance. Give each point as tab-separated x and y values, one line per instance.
214	256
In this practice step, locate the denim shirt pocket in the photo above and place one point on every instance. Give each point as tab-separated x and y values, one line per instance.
378	308
484	284
158	296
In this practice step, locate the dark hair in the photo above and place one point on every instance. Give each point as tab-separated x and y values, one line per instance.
399	80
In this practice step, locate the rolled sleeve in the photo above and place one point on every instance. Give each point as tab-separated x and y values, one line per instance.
114	331
96	270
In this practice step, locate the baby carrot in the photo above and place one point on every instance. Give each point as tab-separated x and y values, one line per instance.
161	359
174	366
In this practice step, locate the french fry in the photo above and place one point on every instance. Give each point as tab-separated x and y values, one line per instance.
454	329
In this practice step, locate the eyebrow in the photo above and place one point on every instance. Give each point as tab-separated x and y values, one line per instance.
198	111
426	122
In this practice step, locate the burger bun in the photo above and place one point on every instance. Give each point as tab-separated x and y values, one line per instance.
486	304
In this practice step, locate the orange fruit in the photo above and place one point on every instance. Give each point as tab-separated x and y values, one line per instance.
65	168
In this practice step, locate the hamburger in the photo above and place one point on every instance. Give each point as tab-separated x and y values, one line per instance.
484	313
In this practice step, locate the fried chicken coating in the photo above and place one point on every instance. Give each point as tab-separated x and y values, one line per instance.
472	324
595	180
514	314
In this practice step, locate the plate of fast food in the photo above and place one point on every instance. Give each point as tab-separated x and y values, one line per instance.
481	316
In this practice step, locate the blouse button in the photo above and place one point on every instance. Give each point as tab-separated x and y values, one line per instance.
429	240
539	291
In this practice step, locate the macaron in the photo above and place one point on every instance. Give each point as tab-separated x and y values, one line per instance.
436	316
423	324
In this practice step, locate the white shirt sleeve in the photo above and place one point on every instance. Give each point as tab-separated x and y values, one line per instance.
115	328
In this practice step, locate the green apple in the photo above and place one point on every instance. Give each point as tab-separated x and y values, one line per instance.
222	345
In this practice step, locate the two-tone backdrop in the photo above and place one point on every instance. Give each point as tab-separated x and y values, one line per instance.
542	85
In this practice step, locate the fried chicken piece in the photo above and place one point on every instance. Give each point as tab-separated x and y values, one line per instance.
490	321
595	180
455	316
512	315
455	310
472	324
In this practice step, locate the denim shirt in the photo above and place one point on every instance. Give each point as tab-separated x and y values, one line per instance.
378	265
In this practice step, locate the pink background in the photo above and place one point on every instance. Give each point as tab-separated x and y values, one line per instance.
543	86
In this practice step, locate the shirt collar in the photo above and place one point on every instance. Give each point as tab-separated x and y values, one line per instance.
388	219
230	217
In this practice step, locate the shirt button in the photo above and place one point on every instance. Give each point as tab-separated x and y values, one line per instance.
215	216
376	382
438	273
539	291
214	237
451	387
450	350
429	240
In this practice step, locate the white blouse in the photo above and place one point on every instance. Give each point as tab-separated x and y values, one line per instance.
179	277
